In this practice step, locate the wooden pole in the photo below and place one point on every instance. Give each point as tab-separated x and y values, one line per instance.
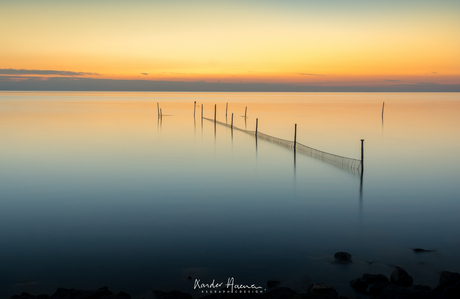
245	112
215	112
226	110
383	108
194	108
231	126
295	136
257	124
362	155
161	113
201	111
158	108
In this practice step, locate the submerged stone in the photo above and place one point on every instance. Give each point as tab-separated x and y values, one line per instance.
400	277
171	295
375	278
322	290
448	279
272	283
344	257
422	250
359	284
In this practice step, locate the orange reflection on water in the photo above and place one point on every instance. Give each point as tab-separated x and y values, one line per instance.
333	122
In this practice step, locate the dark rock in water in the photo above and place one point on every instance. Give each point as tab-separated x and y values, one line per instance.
321	290
25	295
422	250
397	292
103	289
123	294
272	283
448	279
61	293
422	288
238	296
67	293
29	296
343	257
279	293
81	294
453	291
376	289
400	277
359	284
171	295
375	278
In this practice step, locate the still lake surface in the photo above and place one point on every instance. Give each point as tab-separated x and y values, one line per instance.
96	190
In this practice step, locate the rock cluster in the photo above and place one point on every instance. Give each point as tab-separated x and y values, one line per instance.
102	293
400	286
377	286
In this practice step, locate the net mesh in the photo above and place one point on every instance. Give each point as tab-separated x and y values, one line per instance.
336	160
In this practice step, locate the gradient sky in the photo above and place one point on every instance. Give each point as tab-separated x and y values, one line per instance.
304	42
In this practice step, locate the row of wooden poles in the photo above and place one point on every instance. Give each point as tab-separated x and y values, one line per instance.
257	125
160	114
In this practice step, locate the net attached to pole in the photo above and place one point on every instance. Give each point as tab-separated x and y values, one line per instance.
349	164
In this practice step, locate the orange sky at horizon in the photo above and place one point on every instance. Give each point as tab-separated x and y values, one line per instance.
231	43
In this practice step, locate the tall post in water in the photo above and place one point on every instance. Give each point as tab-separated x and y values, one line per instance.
194	108
215	112
245	123
158	108
295	137
226	109
201	111
362	155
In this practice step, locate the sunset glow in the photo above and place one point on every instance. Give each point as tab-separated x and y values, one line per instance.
289	42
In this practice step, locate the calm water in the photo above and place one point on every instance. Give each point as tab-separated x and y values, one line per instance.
97	191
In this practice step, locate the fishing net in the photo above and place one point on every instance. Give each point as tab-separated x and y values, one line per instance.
353	165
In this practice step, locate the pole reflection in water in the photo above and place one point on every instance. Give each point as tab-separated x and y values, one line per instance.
231	128
201	120
361	189
295	169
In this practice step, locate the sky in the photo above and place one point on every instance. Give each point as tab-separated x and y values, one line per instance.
353	43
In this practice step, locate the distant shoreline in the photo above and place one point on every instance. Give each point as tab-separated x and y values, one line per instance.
88	84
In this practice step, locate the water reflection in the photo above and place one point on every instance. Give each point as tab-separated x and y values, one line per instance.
383	108
160	121
84	176
295	169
